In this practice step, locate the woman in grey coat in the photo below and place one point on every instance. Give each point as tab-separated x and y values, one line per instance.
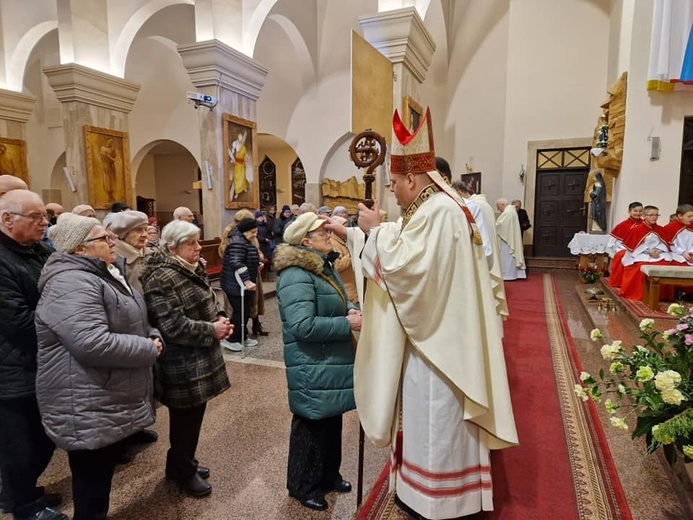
96	350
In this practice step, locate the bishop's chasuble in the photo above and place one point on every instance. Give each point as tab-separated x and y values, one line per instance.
430	377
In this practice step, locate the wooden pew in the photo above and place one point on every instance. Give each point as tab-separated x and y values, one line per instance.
210	252
658	275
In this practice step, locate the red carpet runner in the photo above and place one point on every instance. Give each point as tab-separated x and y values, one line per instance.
561	468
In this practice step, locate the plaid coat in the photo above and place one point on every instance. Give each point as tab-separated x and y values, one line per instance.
182	306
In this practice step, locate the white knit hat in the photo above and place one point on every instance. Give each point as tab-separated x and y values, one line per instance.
71	231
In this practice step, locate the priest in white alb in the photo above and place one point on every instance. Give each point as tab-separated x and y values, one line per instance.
430	377
511	254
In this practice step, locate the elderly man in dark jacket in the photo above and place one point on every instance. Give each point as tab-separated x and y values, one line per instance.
25	450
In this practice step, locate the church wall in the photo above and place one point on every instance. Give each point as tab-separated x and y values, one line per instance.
175	174
161	110
649	114
556	76
475	120
145	183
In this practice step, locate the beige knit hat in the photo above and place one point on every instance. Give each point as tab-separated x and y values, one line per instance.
126	221
299	228
71	231
81	209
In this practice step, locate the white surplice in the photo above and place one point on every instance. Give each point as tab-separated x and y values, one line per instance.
430	325
511	254
683	243
639	254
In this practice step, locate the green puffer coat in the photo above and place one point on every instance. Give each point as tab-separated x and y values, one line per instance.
318	352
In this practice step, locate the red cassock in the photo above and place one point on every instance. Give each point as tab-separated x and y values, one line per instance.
633	282
620	232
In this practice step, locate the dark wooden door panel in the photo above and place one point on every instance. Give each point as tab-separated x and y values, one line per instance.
559	210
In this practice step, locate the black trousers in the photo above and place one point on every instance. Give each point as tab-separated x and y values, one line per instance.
315	455
235	302
25	451
185	425
92	473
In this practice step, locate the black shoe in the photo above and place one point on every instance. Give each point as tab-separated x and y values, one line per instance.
259	331
143	437
194	486
341	486
124	457
408	510
319	503
45	514
203	472
53	499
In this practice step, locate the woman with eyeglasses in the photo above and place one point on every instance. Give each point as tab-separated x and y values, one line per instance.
95	354
317	325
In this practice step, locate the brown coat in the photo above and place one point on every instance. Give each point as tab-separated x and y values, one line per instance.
345	269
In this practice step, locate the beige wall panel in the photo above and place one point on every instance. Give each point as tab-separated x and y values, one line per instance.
371	94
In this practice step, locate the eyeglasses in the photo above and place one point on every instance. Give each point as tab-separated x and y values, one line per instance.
105	238
651	215
34	217
321	234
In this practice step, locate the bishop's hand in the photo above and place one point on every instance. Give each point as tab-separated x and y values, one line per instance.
369	218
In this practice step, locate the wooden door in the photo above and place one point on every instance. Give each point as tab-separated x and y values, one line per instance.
559	210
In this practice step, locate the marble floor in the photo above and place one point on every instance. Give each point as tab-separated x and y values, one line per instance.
245	440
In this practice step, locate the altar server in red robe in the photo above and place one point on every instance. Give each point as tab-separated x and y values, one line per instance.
647	243
680	233
618	234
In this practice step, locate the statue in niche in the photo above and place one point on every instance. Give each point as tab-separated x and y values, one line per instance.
598	198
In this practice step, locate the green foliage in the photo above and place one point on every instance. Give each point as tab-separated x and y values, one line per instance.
653	381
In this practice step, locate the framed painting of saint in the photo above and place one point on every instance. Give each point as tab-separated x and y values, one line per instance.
473	181
13	158
412	114
241	185
108	166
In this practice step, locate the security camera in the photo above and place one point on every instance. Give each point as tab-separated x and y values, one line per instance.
202	99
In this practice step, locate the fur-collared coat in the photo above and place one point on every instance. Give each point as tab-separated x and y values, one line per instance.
182	306
318	352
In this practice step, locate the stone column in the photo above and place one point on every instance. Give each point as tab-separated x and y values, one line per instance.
89	98
401	36
15	110
236	81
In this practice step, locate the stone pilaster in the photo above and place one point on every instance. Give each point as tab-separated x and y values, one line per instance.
401	36
88	98
236	81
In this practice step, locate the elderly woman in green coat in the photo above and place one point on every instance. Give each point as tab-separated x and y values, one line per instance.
317	325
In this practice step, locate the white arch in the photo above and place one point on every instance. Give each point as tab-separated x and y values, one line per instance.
139	156
121	48
20	56
306	68
339	143
252	28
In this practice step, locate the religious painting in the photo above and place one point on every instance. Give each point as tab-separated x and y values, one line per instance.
268	184
13	158
412	114
108	166
298	183
241	186
473	181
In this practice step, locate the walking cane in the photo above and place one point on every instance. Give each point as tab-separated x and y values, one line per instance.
367	150
237	274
